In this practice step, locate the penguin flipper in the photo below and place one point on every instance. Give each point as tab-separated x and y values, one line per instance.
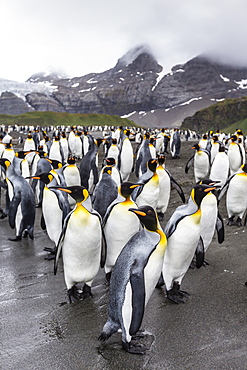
199	253
3	185
16	200
220	229
42	222
189	164
103	250
138	300
60	242
176	186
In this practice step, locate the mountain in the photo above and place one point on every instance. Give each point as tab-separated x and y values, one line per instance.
134	88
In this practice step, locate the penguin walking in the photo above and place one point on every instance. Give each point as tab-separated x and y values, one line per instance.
236	196
81	260
22	202
133	279
117	219
148	191
201	159
105	192
183	232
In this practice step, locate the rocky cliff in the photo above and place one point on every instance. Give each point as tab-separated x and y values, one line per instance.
134	88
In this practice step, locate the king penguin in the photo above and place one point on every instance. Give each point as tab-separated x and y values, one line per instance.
126	157
22	202
183	232
201	159
81	260
236	196
235	155
175	144
105	192
72	176
148	192
117	219
133	279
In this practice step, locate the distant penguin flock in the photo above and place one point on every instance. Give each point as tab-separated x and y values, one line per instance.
108	214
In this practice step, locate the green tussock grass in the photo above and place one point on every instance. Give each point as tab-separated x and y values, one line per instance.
64	119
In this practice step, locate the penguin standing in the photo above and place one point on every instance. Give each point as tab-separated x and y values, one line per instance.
166	181
148	191
117	219
133	279
89	167
201	159
116	175
235	155
56	151
65	146
126	157
113	151
81	260
105	192
219	170
22	202
215	146
143	155
55	207
9	152
183	232
29	143
72	176
236	196
175	144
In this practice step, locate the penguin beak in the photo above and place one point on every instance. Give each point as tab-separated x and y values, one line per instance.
209	189
135	186
137	212
33	177
65	190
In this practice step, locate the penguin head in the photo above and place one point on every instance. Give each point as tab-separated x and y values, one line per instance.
107	169
196	146
20	154
147	217
46	177
79	193
161	159
199	191
5	163
56	164
110	161
152	164
71	160
126	188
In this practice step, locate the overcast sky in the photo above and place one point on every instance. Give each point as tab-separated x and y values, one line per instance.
80	37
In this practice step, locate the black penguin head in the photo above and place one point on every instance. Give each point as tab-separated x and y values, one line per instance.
114	141
79	193
20	154
110	161
196	146
147	217
46	177
126	188
152	164
71	160
161	159
5	163
199	191
107	169
234	138
56	164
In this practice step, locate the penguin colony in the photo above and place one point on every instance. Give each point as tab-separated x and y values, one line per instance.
97	218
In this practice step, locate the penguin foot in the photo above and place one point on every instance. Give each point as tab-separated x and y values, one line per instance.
160	283
25	234
86	293
160	216
51	250
50	256
230	221
238	222
139	335
74	295
104	336
205	263
16	239
176	295
137	349
3	215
